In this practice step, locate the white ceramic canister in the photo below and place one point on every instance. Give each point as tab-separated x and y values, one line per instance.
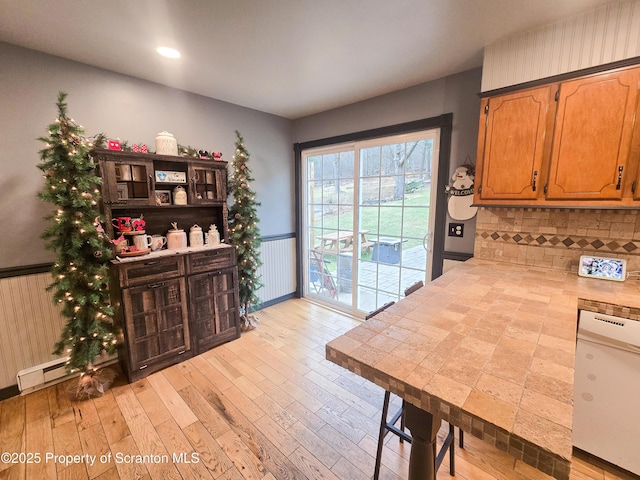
213	236
166	144
195	236
179	196
176	239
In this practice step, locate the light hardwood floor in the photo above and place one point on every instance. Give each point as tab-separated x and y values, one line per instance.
266	406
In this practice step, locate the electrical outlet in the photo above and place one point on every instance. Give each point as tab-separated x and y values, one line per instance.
456	229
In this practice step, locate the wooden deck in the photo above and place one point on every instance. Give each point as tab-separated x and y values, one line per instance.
266	406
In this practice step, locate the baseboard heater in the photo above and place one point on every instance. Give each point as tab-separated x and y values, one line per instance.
50	373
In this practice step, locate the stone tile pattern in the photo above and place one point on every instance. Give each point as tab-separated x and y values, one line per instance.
488	347
556	238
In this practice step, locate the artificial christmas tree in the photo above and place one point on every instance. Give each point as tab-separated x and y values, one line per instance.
244	233
80	272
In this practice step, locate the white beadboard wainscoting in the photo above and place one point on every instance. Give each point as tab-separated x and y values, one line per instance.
606	34
278	269
29	324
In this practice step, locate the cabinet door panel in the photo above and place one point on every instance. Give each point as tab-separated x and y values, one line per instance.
227	302
128	182
146	350
514	145
214	308
206	184
172	339
592	136
203	314
204	324
156	321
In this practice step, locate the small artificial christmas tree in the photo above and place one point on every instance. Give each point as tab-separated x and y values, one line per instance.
244	233
80	272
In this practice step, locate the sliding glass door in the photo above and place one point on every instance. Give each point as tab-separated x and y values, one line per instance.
367	219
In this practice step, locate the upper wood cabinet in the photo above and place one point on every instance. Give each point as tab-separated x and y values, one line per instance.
592	136
572	143
513	144
208	184
139	184
128	182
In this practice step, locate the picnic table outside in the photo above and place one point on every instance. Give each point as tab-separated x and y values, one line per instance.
342	241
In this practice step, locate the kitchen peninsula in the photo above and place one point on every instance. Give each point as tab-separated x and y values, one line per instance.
489	347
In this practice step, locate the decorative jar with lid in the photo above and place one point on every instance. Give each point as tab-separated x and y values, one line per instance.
176	238
195	236
179	196
213	236
166	144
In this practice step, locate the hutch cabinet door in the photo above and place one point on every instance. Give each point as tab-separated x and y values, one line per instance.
214	308
592	137
227	302
128	182
156	322
207	184
514	140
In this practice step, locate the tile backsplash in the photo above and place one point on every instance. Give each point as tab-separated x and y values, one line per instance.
556	238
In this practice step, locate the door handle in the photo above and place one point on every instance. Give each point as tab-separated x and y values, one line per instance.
618	185
426	240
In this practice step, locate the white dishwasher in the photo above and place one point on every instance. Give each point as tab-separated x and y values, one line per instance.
606	393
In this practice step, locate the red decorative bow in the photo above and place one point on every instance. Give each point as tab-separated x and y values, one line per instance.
142	148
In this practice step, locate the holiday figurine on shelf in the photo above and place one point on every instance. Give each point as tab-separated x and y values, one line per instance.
244	234
80	271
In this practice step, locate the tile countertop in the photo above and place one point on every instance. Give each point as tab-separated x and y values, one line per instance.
490	348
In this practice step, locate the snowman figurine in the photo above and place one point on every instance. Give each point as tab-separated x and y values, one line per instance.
461	193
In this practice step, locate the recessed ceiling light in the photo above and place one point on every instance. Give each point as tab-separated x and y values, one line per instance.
168	52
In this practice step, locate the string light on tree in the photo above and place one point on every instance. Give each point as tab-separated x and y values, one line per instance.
83	253
244	232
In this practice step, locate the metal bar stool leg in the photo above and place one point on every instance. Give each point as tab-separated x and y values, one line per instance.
382	434
402	422
387	426
452	452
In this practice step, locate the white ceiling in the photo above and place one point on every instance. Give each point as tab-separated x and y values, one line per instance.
287	57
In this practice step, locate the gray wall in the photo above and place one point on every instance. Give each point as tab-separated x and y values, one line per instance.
455	94
130	109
